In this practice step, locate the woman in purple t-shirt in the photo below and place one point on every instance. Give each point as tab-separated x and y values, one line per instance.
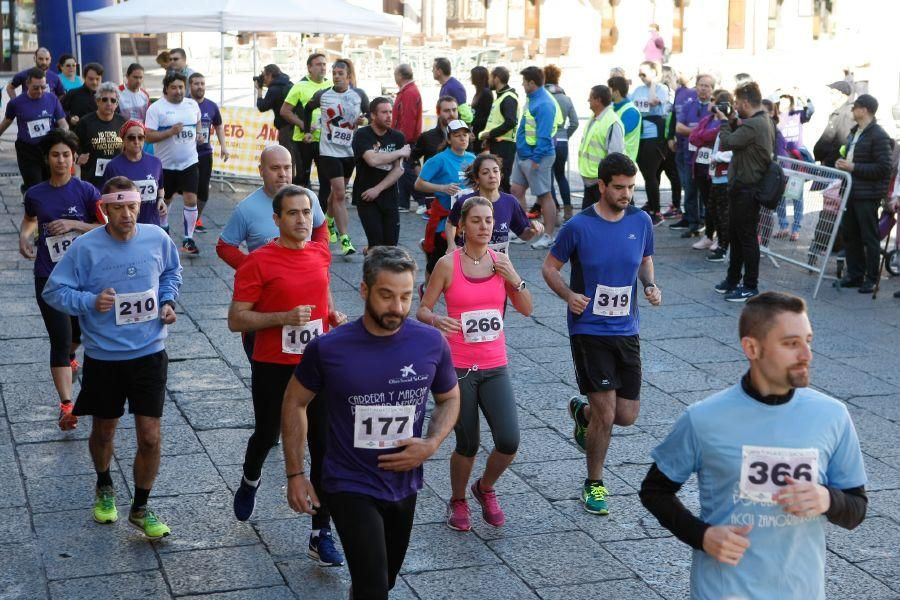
59	210
144	170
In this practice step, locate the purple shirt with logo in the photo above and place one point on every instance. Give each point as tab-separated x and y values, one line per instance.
508	216
147	175
690	115
400	369
209	117
34	118
54	84
76	201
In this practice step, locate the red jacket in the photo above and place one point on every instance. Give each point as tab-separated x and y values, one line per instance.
408	112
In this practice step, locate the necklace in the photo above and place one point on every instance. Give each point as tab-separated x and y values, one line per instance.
475	260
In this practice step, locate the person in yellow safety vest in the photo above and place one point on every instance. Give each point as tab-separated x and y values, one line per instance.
306	152
628	114
536	151
450	86
603	135
499	135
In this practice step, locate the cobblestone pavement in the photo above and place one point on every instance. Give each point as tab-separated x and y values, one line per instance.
550	548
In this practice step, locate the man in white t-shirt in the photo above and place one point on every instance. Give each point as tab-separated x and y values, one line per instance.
134	99
172	125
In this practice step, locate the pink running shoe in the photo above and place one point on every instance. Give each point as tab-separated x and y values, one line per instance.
490	508
458	515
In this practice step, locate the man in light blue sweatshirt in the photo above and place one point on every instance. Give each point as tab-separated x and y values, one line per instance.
121	281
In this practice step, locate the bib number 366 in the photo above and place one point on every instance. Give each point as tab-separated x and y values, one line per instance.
295	339
765	470
136	308
383	426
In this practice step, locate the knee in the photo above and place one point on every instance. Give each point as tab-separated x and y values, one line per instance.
627	418
506	441
103	435
148	443
466	442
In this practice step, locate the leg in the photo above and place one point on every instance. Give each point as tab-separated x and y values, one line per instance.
324	182
268	382
398	523
100	443
867	217
498	403
719	197
370	218
146	460
736	252
467	433
559	172
337	206
390	224
671	170
749	223
701	186
548	212
59	330
31	164
316	437
798	214
362	530
204	165
247	341
519	181
303	165
507	153
690	199
591	195
649	160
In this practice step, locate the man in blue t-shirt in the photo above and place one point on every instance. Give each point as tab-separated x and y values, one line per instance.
373	464
772	458
610	246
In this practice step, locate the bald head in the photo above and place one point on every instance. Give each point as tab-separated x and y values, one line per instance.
42	59
275	168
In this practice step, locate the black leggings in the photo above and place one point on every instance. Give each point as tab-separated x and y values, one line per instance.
375	535
32	166
669	166
380	220
649	160
718	208
491	391
62	329
268	383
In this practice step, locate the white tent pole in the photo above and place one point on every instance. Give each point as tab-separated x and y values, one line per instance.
254	66
221	68
78	47
400	39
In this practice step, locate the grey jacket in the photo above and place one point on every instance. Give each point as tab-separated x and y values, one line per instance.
570	117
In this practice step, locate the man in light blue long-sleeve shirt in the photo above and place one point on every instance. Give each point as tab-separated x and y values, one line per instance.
121	281
536	151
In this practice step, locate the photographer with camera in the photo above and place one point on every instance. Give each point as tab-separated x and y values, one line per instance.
278	84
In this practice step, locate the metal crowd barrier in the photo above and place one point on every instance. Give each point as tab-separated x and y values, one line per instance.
811	208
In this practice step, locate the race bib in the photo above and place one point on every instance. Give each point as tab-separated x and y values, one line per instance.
501	247
691	147
763	470
612	301
378	427
342	137
59	244
460	195
642	105
148	189
38	128
704	155
294	339
481	325
136	308
101	166
794	189
188	135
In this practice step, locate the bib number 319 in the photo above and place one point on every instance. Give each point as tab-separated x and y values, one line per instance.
295	339
136	308
612	301
764	470
378	427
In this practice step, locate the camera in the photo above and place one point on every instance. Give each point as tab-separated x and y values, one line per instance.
259	80
724	108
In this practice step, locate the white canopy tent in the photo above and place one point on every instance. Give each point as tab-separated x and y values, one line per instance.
298	16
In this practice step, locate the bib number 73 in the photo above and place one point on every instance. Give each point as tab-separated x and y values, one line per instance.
765	470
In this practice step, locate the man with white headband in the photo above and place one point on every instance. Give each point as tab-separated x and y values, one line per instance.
121	281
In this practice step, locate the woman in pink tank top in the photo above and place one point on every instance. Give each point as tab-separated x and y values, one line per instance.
476	283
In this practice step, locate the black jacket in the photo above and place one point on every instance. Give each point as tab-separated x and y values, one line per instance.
274	98
428	144
871	163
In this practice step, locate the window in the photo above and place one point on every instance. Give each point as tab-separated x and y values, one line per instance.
737	18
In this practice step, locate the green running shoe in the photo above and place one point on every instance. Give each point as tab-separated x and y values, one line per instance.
576	411
594	498
105	505
332	231
347	246
147	521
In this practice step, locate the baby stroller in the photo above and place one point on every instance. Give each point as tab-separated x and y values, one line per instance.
891	258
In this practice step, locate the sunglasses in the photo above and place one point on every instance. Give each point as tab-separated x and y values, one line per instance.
110	100
134	138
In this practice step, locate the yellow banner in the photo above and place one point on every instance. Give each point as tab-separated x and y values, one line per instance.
247	133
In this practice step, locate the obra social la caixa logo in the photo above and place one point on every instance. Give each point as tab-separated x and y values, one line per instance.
408	375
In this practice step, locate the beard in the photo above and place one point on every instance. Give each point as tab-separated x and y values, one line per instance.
389	321
798	379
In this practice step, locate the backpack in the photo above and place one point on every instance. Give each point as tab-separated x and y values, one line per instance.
771	186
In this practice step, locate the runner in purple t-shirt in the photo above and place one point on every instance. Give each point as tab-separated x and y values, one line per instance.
36	113
144	170
373	463
210	118
59	210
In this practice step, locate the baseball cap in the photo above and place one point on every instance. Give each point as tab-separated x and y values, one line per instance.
866	101
842	86
456	125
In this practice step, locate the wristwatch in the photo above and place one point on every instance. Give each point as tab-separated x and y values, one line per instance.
521	286
648	286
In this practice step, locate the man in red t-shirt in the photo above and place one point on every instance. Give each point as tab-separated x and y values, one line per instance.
282	292
407	118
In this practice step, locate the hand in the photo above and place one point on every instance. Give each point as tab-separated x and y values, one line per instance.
653	295
162	208
307	138
299	315
803	498
26	248
504	268
537	227
225	155
361	121
105	300
405	151
371	194
451	189
844	165
447	325
301	495
167	314
336	318
672	145
74	119
535	165
176	129
718	114
577	303
82	159
727	544
415	452
61	226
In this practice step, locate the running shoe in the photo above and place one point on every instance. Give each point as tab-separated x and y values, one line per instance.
576	411
534	213
490	508
402	209
421	210
105	505
681	224
322	550
594	498
723	287
459	518
673	211
741	294
514	239
67	421
347	246
147	521
704	244
189	247
543	243
781	234
199	228
656	218
332	231
717	255
245	501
